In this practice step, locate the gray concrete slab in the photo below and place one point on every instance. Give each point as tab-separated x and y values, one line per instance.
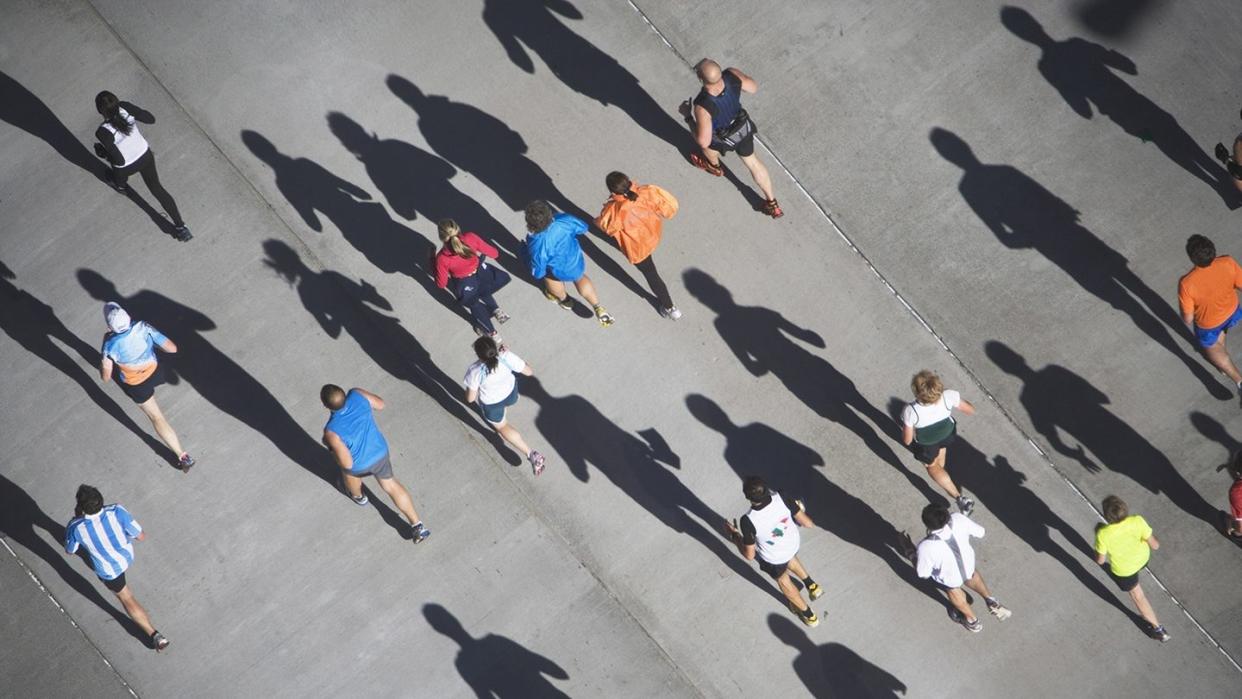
606	570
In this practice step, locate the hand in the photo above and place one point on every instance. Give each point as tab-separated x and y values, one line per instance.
100	151
732	532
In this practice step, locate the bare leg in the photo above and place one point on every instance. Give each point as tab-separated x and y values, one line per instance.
587	289
713	156
958	599
353	484
400	498
937	473
1143	606
554	287
791	592
513	437
162	428
1219	357
759	173
135	610
795	567
976	583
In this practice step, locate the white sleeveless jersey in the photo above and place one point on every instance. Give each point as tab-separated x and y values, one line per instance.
776	534
131	145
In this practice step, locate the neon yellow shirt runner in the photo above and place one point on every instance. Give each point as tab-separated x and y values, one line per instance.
1125	544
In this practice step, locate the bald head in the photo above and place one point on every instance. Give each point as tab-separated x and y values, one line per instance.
708	71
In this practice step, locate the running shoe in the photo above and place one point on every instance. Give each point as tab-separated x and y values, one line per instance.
500	316
182	233
565	303
1158	633
807	616
998	610
603	316
813	590
185	463
361	501
965	505
159	641
671	313
771	208
419	532
705	165
536	462
958	618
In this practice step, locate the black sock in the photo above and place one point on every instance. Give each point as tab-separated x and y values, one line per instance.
808	581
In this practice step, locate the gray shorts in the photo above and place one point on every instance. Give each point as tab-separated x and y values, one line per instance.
381	469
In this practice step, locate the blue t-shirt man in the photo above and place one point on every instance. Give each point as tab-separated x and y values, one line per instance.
355	424
556	249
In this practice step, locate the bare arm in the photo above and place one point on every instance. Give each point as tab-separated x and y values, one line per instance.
142	536
339	451
376	402
966	407
1153	542
748	83
472	394
735	535
702	127
168	346
803	519
907	434
105	370
1101	558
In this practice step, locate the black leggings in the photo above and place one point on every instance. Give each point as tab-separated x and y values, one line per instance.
145	166
648	268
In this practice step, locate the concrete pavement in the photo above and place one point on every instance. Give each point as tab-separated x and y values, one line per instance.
310	151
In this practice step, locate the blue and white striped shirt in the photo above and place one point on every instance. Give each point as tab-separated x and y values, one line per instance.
106	535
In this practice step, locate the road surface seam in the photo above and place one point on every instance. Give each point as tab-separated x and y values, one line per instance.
823	210
48	593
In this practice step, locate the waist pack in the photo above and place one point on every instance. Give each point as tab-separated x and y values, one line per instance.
738	130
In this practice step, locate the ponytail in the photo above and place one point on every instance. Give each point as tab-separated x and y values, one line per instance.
486	350
619	183
449	235
109	107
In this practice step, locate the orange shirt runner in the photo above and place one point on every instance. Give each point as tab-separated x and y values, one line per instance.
1208	293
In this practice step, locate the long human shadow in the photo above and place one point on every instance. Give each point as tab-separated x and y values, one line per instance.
757	449
1115	18
24	110
1083	73
1022	214
388	245
1024	513
34	325
415	182
1059	401
214	375
833	670
583	437
1216	432
496	666
493	153
21	519
522	25
339	303
763	341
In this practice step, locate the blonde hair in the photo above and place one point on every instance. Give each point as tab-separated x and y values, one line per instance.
927	387
449	232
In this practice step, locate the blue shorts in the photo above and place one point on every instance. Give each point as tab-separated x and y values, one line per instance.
1208	337
495	412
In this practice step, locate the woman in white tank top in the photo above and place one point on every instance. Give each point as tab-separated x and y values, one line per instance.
122	144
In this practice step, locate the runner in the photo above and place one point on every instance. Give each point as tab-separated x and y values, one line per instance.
769	532
1209	302
634	215
129	355
108	532
1125	543
461	267
555	256
721	125
947	558
361	450
928	426
1233	525
490	383
121	143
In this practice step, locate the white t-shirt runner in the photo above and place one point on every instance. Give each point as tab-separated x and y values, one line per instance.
922	417
496	385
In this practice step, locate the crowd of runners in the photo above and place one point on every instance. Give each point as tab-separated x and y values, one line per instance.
632	216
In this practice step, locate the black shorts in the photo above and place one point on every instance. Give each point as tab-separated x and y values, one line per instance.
1127	583
744	147
116	584
776	570
927	453
145	391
